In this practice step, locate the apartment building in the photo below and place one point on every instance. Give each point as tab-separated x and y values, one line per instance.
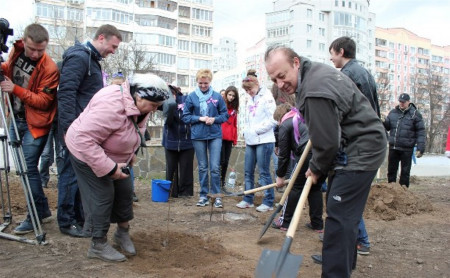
309	27
401	57
224	53
176	36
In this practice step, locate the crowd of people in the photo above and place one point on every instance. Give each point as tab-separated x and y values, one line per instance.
96	130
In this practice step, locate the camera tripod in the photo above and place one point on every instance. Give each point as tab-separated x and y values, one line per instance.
15	145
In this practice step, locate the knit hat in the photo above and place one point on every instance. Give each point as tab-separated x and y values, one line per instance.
150	87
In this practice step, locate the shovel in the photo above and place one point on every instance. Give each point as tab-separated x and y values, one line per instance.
250	191
288	188
282	263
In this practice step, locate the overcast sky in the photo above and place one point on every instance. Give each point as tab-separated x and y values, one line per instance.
244	20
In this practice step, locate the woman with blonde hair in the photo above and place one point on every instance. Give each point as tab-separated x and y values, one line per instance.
259	140
205	110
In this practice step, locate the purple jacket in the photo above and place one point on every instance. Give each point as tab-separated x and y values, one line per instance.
104	133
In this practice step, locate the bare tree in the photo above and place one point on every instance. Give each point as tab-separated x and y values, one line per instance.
430	91
384	94
130	58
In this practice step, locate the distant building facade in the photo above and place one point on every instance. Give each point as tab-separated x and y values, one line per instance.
225	57
176	35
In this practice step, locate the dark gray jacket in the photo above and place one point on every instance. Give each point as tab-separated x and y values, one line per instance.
364	81
81	77
340	121
406	129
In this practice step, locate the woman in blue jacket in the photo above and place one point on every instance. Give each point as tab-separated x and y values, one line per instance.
205	111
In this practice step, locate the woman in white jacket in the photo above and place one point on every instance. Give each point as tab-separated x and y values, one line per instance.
259	140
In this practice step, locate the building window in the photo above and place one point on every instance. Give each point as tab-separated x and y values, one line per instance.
308	43
343	3
183	63
321	46
308	28
183	45
321	17
202	14
309	13
322	32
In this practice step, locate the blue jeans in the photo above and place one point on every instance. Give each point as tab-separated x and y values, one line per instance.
363	237
47	156
258	155
32	149
70	210
214	147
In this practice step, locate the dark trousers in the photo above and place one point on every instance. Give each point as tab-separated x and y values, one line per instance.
404	157
70	207
346	198
314	199
107	200
180	171
224	159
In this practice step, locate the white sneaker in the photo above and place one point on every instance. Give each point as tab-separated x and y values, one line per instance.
264	208
244	205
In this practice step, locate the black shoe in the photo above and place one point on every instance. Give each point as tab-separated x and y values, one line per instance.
317	259
73	231
135	198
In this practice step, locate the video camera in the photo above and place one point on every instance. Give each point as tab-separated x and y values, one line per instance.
5	31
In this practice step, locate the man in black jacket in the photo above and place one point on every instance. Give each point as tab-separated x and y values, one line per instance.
406	129
348	145
343	56
81	78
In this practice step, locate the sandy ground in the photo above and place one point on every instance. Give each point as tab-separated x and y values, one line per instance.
408	229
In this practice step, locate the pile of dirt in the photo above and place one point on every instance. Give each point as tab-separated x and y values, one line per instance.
388	201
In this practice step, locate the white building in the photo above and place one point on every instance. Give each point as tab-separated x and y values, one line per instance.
309	27
177	35
224	53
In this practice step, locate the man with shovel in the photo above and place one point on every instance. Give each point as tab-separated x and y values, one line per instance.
348	145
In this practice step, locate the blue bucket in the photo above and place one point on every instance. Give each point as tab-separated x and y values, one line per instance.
160	190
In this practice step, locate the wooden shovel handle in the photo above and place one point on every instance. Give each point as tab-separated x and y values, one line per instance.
296	171
299	209
250	191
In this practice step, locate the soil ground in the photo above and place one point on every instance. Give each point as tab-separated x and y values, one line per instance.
409	231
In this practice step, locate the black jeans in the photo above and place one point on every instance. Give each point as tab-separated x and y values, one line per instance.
180	171
404	157
314	199
346	198
224	159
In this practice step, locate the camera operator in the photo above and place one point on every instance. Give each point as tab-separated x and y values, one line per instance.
31	79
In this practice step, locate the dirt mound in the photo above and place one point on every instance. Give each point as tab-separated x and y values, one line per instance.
388	201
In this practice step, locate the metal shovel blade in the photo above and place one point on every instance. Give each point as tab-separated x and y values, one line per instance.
269	221
267	266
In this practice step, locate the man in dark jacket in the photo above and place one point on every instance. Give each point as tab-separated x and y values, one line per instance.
31	79
348	145
81	78
343	54
406	129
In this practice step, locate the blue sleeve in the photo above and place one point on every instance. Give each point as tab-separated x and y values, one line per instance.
189	116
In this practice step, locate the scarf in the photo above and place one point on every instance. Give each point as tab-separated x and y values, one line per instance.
202	98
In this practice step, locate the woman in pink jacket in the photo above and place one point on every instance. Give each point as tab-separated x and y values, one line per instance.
103	141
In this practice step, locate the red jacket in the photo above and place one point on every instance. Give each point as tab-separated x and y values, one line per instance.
229	128
447	148
39	98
